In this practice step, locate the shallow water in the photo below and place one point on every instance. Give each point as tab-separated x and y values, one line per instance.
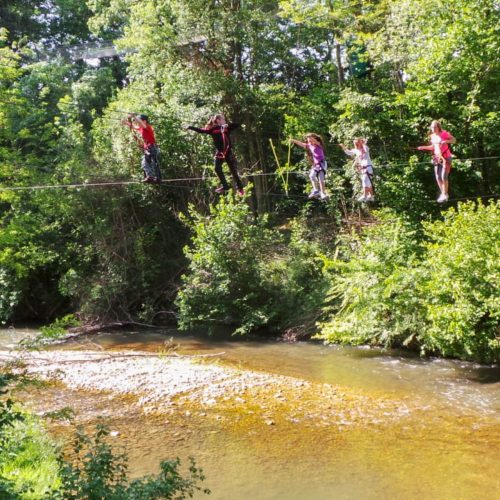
461	385
447	446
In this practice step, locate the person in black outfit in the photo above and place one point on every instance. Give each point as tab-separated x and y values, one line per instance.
220	130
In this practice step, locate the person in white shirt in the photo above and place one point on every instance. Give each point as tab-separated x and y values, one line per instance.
364	166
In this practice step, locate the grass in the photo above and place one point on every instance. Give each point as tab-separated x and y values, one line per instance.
28	460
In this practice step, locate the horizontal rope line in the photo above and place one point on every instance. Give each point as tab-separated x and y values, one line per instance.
184	179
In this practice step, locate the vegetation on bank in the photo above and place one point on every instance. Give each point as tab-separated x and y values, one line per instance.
273	261
243	271
438	292
432	287
32	467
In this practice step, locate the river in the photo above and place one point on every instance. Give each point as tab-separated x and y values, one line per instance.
411	428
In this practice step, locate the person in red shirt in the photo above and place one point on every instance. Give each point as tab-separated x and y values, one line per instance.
220	130
145	136
441	157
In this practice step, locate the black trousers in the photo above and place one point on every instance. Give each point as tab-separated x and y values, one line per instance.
230	159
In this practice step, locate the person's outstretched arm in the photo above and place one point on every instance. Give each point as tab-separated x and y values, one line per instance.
140	123
199	130
350	152
134	122
298	143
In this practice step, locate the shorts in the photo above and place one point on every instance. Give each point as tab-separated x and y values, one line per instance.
366	176
318	172
441	171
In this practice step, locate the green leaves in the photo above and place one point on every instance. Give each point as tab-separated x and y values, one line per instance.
244	274
440	295
464	274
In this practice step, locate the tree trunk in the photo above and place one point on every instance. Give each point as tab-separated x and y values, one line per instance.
340	68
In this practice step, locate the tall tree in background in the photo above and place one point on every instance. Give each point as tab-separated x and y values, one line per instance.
242	58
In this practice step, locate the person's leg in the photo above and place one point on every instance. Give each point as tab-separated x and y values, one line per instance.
147	166
233	168
321	176
220	173
313	177
438	172
446	174
155	158
366	185
442	181
369	189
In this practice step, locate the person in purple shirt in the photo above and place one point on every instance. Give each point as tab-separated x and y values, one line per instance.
316	155
220	130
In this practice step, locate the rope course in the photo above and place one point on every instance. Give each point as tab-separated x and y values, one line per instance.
189	179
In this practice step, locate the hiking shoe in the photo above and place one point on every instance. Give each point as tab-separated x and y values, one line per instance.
442	198
149	179
241	192
370	197
313	194
362	198
323	196
220	190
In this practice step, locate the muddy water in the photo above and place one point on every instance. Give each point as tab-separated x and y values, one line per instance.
444	443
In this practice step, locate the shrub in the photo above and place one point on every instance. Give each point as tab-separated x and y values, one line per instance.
28	459
245	274
438	292
463	297
224	283
373	295
96	472
32	468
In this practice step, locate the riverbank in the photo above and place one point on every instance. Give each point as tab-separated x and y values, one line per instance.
167	384
260	434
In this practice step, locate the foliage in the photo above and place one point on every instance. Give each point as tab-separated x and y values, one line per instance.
462	293
28	465
440	295
96	472
225	280
373	295
54	331
33	468
29	460
242	273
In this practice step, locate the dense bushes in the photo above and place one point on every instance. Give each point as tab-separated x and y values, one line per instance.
373	295
28	460
432	287
462	263
97	472
245	274
440	293
32	468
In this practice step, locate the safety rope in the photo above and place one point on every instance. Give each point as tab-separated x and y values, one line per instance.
181	179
